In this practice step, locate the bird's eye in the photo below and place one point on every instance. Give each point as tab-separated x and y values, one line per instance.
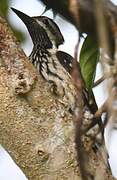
46	22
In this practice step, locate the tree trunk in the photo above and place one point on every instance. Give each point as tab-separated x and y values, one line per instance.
35	128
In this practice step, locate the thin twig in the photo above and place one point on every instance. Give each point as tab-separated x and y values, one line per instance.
99	81
79	115
79	118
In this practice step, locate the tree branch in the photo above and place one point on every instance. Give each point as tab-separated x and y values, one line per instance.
35	128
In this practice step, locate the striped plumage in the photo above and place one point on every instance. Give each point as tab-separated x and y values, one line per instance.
45	56
55	66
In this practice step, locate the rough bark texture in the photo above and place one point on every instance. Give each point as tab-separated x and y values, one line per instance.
35	128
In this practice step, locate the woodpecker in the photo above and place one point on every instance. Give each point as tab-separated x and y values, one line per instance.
54	66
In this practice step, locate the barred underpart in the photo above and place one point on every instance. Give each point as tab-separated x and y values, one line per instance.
47	64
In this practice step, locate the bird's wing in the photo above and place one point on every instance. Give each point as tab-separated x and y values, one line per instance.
66	61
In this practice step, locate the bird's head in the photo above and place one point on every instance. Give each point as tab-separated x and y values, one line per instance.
42	30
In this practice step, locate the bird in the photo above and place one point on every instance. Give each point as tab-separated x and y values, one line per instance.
55	66
48	60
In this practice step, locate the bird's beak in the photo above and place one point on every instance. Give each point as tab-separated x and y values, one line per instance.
27	20
30	23
36	32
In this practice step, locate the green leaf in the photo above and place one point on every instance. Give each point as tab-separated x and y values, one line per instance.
89	57
4	7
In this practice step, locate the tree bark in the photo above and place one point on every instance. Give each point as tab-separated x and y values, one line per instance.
35	128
